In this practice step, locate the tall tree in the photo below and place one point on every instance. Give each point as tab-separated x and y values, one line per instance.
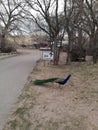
48	18
89	21
10	15
71	14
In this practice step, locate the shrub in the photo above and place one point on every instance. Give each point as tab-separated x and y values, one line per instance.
8	48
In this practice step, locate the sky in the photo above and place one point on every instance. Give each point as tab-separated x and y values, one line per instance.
60	9
61	4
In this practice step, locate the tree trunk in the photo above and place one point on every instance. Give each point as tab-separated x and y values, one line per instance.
92	50
95	49
3	42
56	53
94	58
68	61
69	49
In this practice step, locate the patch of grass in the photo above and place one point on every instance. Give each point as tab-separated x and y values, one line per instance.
25	125
66	123
13	124
21	120
21	111
18	125
27	93
36	69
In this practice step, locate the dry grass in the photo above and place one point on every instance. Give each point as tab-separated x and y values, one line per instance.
74	107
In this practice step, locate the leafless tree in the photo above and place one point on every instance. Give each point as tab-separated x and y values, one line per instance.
10	15
48	19
78	18
71	13
91	14
89	25
81	17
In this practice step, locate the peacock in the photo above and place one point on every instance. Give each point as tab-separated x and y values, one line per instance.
56	80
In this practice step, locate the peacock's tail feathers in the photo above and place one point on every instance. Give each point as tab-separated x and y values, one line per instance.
43	81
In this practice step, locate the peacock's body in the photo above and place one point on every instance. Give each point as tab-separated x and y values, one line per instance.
63	81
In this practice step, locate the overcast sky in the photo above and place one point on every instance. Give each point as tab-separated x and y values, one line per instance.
61	4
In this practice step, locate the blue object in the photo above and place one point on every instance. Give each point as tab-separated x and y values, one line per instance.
63	81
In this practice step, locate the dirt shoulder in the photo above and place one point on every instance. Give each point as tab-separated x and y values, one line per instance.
48	107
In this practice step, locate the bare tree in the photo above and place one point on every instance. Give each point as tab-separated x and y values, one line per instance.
71	14
10	15
48	19
81	17
89	24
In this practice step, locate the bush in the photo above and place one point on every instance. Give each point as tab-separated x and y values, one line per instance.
8	48
78	54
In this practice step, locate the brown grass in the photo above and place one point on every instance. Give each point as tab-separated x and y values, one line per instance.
48	107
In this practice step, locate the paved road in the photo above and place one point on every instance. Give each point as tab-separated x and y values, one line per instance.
13	75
